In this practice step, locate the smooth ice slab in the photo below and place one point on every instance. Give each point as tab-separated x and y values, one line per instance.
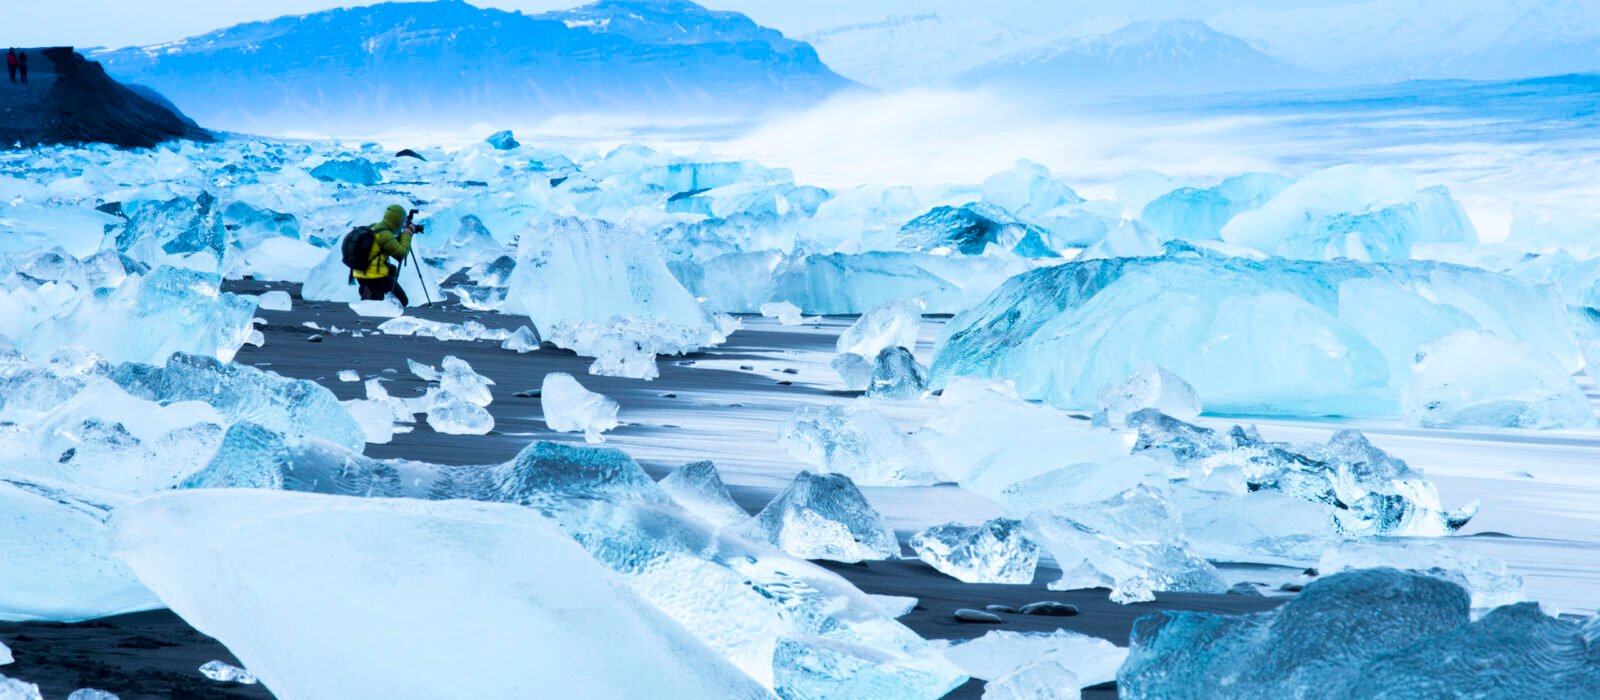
884	326
994	552
1002	652
824	516
476	572
58	551
1473	379
1150	386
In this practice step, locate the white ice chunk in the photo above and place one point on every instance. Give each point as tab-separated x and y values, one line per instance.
5	654
375	417
378	308
13	689
1132	544
855	440
224	672
895	605
57	547
1473	379
523	340
1092	659
1047	678
91	694
570	408
475	572
885	326
824	516
1150	386
275	300
995	552
453	415
349	375
787	314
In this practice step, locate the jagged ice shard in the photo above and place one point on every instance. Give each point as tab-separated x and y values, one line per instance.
699	489
824	516
476	571
997	551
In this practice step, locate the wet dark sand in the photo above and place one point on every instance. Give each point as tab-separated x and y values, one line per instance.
699	401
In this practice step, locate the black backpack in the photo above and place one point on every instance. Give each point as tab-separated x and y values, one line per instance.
356	249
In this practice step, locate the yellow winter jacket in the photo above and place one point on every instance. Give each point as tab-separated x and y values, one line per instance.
388	241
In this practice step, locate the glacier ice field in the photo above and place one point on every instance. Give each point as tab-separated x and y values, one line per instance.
1164	391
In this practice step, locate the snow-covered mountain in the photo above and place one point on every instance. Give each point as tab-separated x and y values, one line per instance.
1143	58
1388	40
448	63
915	50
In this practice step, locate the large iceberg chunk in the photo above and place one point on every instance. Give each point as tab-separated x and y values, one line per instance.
1271	336
1486	579
1132	543
824	516
995	552
1473	379
1353	211
476	572
1368	633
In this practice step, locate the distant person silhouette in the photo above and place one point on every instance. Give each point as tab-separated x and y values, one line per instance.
11	64
22	65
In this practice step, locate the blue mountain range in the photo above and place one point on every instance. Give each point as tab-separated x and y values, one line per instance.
450	64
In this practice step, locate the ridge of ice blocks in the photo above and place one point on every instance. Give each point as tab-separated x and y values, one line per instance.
1001	652
1486	579
144	319
856	440
575	272
896	375
1371	493
885	326
440	330
1132	543
1352	211
477	571
995	552
824	516
1150	386
570	408
1470	379
1367	633
787	314
1264	337
57	549
243	393
699	489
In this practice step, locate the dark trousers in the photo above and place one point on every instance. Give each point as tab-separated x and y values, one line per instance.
24	70
373	290
13	71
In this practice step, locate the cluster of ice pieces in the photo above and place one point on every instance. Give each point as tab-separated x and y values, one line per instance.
1368	633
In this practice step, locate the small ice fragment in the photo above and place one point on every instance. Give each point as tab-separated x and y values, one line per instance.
256	338
225	672
349	375
424	372
458	378
378	308
896	375
375	417
824	516
994	552
525	339
275	300
855	370
91	694
787	314
895	605
453	416
885	326
570	408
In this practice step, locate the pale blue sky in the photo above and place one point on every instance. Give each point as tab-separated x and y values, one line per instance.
118	23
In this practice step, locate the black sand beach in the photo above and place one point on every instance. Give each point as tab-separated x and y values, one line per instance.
698	401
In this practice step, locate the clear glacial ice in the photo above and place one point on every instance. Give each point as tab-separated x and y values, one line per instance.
570	408
824	516
997	551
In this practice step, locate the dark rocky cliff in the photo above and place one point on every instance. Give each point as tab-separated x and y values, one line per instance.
70	100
